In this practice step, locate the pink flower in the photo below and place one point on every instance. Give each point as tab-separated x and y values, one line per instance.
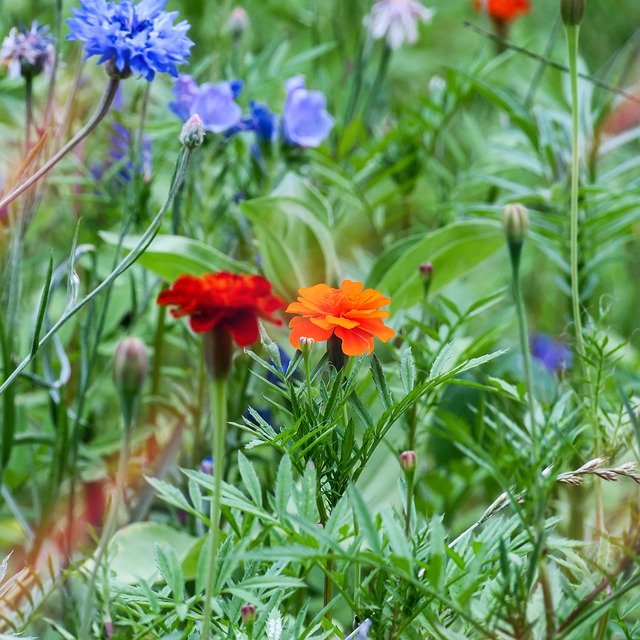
397	20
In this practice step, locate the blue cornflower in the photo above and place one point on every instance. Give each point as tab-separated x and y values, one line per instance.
305	120
261	120
553	355
131	38
214	103
27	52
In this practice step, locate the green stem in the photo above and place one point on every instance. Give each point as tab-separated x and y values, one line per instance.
573	33
407	515
100	113
219	398
28	99
524	348
109	527
136	252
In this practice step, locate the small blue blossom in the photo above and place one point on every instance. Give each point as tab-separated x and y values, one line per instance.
206	466
305	120
261	120
553	355
133	38
214	103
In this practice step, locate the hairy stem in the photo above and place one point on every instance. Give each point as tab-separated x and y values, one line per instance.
136	252
110	525
101	112
572	42
219	398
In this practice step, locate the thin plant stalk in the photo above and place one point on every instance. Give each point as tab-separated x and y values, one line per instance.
573	32
28	100
523	331
112	517
101	112
219	399
136	252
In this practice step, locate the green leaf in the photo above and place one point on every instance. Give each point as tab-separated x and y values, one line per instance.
250	478
381	383
291	227
365	520
454	251
132	556
171	256
408	370
284	481
397	540
169	568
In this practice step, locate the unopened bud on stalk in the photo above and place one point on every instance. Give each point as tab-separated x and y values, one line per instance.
248	614
426	275
238	22
572	12
130	366
515	222
408	460
192	134
306	344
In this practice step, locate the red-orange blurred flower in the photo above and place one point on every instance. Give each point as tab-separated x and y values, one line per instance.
225	301
351	314
504	10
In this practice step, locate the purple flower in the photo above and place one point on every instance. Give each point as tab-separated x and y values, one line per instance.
262	121
553	355
214	103
133	38
305	120
119	155
206	466
28	52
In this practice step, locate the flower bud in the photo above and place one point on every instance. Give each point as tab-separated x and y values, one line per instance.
408	460
426	275
515	222
130	365
572	12
192	134
206	466
248	614
306	344
238	22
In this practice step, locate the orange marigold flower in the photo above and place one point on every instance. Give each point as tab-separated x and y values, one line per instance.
226	301
504	10
351	314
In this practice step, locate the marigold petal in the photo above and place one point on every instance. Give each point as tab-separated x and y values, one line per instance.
303	328
243	328
354	343
342	322
377	328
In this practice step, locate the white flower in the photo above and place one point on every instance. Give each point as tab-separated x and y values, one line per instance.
397	20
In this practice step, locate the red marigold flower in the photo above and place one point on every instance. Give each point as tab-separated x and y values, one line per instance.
504	10
351	314
224	300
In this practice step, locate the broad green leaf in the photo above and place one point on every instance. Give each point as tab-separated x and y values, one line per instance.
132	550
454	251
292	229
172	256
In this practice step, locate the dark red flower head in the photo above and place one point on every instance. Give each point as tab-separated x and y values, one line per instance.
224	300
